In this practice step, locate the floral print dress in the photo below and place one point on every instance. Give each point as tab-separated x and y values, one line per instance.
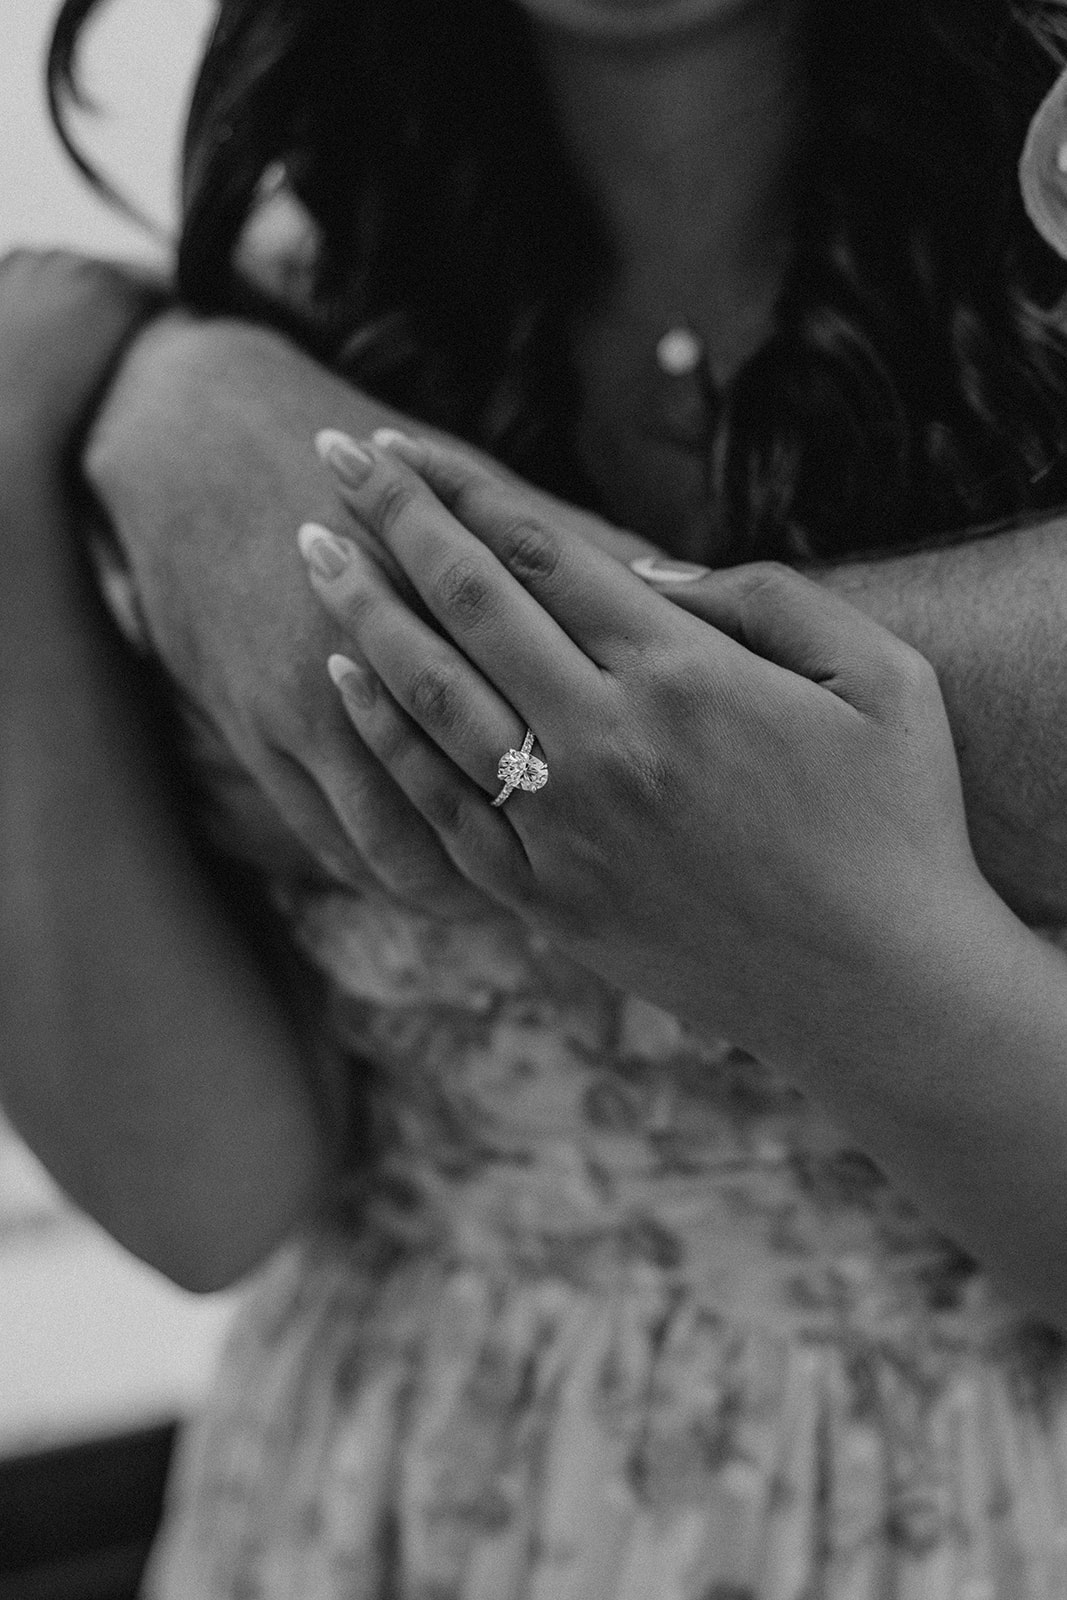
603	1312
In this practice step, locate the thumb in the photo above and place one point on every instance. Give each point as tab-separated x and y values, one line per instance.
786	618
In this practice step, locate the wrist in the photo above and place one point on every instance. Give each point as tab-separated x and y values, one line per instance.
928	995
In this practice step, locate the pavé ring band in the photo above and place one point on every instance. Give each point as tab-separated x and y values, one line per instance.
519	769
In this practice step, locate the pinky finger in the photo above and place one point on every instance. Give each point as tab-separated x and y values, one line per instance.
486	850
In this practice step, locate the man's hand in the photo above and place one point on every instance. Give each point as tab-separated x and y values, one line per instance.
203	457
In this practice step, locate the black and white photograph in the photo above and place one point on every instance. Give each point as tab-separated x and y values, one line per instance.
533	800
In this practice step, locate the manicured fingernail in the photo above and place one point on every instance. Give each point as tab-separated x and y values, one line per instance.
353	679
344	455
654	569
393	439
323	551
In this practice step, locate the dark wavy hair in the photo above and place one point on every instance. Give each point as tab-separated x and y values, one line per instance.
915	386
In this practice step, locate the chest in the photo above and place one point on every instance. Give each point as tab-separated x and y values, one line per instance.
642	439
650	391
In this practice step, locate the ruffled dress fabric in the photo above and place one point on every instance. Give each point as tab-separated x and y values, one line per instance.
605	1312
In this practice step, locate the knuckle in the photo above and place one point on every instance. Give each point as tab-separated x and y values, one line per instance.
652	780
432	696
463	592
640	776
529	549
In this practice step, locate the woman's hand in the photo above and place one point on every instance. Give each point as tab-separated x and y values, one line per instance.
764	833
200	459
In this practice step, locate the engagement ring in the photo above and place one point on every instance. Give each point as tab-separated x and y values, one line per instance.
519	769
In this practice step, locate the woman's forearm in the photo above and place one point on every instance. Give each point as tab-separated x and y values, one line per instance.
145	1056
952	1073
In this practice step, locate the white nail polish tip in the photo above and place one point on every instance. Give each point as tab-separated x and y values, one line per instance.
653	570
339	667
327	438
388	436
309	533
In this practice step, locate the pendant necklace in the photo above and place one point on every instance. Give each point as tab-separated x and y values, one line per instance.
681	353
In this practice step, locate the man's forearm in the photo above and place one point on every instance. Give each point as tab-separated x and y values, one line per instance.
991	615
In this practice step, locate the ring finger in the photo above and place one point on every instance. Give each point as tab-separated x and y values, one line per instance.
425	675
489	856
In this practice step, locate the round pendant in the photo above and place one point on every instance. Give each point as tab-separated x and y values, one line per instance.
680	352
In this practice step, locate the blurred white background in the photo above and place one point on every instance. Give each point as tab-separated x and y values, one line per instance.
137	67
91	1341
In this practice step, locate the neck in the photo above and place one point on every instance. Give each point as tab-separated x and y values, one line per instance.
688	143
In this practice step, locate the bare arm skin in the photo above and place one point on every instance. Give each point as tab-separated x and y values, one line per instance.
147	1054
